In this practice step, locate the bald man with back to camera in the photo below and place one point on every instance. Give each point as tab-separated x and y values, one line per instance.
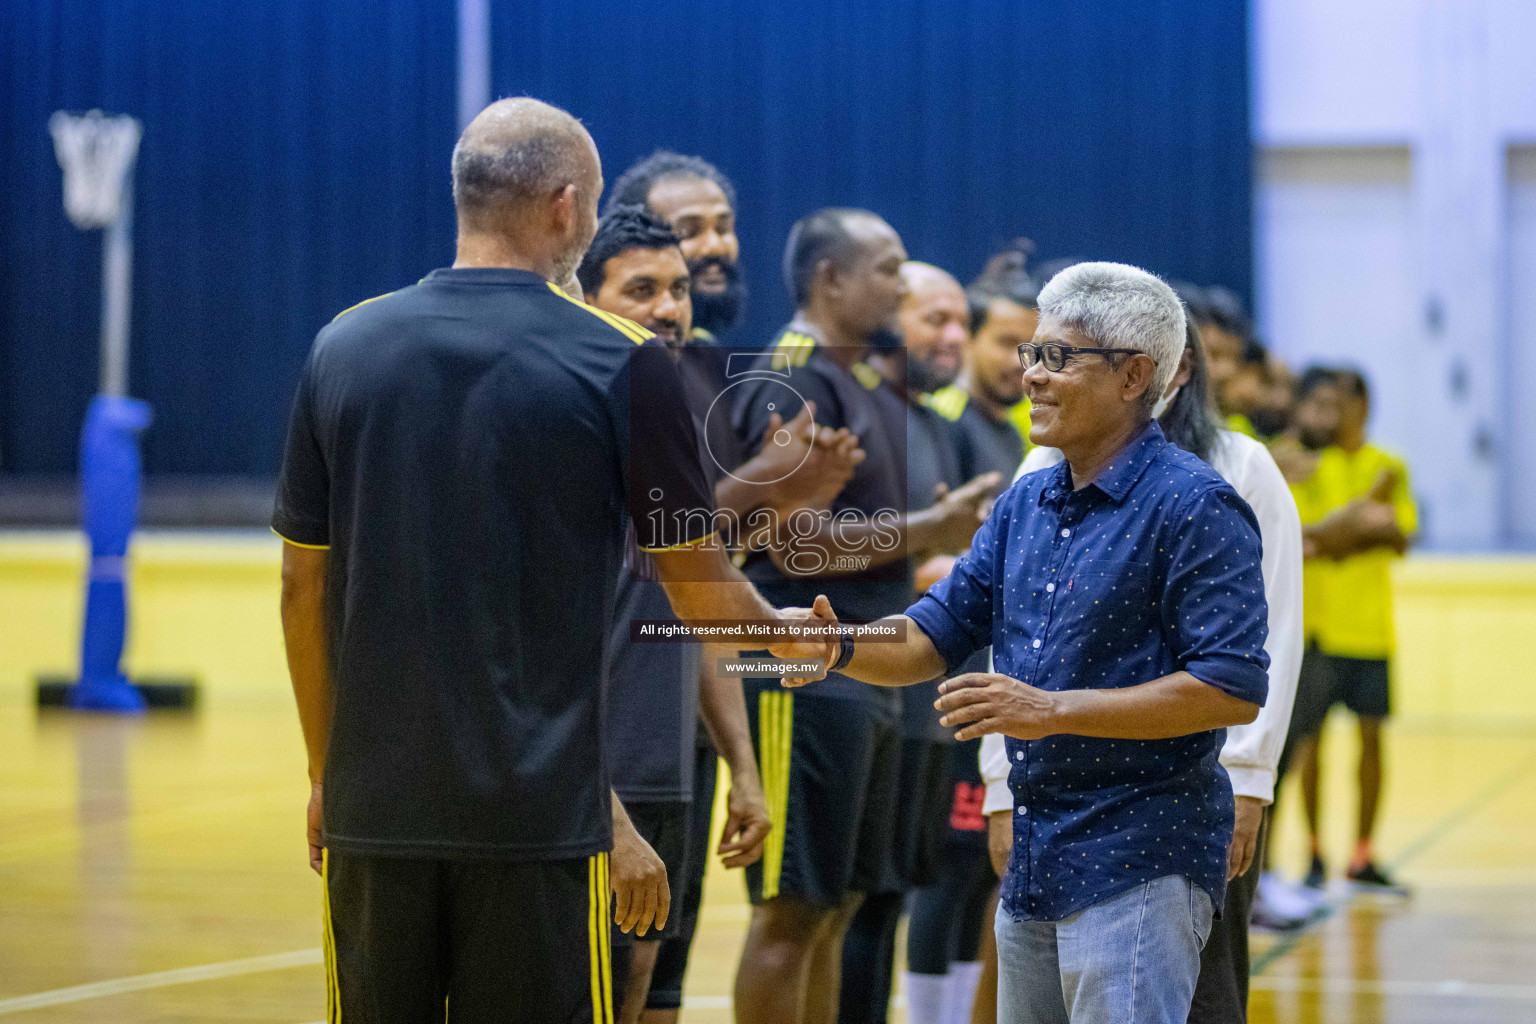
463	460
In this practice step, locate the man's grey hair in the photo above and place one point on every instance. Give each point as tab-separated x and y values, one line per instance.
1120	306
515	151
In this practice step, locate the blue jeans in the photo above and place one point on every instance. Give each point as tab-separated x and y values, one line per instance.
1132	959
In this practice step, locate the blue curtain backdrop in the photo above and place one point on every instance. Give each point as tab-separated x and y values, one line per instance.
295	161
1101	129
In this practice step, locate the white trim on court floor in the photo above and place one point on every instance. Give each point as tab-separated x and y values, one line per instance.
161	979
1450	988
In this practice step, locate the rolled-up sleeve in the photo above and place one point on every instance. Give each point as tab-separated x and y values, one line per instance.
1214	609
956	612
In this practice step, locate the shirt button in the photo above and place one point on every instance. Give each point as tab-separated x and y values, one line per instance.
1036	643
1023	810
1050	588
1019	756
1066	532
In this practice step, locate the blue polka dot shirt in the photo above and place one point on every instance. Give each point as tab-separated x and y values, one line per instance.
1150	569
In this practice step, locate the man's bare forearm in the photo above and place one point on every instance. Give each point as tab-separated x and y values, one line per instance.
1175	705
1346	531
912	660
736	496
303	615
723	708
702	584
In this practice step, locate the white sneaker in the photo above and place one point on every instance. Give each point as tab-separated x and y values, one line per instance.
1282	905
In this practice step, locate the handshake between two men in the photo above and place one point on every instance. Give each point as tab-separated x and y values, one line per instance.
973	704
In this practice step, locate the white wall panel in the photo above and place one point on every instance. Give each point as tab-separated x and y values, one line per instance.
1335	272
1335	71
1520	385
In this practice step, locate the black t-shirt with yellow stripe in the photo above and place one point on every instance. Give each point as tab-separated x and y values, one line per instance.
797	369
471	449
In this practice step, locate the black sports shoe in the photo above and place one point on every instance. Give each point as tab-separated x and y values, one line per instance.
1372	877
1317	874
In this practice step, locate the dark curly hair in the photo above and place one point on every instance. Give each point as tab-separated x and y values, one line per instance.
1006	276
623	228
634	186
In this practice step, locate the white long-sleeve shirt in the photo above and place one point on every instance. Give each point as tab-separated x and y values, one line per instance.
1251	753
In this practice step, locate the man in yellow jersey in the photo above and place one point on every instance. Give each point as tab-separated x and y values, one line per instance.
1358	516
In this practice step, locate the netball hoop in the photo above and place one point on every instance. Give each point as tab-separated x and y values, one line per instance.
98	153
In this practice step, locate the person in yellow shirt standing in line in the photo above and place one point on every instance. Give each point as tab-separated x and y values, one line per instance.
1358	517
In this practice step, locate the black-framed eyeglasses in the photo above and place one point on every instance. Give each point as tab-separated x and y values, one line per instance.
1056	356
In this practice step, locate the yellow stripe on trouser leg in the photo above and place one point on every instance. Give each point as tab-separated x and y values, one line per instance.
332	983
766	750
607	935
599	939
775	717
594	944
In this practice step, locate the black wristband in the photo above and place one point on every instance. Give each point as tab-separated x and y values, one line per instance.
846	656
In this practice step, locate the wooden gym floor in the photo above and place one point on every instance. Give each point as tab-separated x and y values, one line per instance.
153	870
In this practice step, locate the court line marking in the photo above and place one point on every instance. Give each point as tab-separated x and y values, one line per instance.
1436	832
1324	986
160	979
1447	824
1365	986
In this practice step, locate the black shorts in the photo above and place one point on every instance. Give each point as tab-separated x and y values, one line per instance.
1314	696
664	825
922	815
672	958
404	935
830	768
1361	684
967	827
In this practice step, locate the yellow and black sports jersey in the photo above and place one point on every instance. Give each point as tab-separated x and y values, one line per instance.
472	450
986	445
796	369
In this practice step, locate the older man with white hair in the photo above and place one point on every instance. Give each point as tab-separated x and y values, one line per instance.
1122	594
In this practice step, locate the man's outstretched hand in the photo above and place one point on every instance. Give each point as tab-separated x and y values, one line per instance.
822	647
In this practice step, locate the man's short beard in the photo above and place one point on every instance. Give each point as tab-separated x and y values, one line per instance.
565	268
921	376
1003	400
924	378
1269	421
718	311
1314	440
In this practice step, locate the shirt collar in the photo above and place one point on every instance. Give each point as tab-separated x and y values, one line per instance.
485	275
1117	478
800	325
